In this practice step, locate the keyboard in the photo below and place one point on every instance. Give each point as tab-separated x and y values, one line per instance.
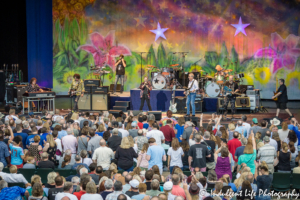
40	94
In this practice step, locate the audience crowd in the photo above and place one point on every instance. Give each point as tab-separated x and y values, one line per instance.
138	157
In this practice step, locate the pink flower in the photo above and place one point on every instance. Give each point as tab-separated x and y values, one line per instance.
103	50
283	52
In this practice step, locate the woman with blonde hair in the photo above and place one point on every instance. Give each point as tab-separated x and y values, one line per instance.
275	136
100	130
132	144
75	117
284	158
257	137
35	179
175	154
284	131
113	168
142	161
249	155
231	129
91	192
179	128
50	148
125	155
239	181
47	126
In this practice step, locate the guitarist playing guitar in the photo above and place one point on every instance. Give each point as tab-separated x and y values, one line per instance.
76	90
234	87
191	94
281	96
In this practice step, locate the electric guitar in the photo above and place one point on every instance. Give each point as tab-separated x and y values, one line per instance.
275	93
187	91
229	92
172	102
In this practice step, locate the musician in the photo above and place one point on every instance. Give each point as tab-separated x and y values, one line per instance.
33	87
282	98
76	90
234	87
192	88
120	72
145	87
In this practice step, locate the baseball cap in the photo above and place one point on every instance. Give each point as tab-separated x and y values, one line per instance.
255	120
134	183
233	187
194	189
266	139
168	185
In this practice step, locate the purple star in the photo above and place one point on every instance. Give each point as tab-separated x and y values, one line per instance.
159	32
240	27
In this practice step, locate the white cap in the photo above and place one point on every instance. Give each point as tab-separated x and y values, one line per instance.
168	185
134	183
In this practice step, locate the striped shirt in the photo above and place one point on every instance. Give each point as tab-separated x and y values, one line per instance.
267	153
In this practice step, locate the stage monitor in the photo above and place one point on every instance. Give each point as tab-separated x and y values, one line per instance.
157	114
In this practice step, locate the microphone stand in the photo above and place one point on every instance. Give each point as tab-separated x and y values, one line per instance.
141	53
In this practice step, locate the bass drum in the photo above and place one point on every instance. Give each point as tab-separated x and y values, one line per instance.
212	90
159	82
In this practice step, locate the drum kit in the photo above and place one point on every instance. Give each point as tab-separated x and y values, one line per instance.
164	78
213	85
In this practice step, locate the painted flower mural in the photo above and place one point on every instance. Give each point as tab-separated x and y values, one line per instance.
263	75
103	50
283	52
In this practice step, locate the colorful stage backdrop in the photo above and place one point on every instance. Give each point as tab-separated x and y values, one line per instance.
95	32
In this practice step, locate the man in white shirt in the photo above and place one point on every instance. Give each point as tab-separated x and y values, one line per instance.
124	132
272	141
12	113
103	155
69	142
68	190
192	89
13	177
156	134
246	125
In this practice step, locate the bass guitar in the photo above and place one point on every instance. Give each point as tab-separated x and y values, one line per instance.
187	91
229	92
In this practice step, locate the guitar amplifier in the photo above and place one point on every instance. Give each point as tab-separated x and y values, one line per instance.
19	90
102	90
84	103
91	83
242	102
181	104
100	101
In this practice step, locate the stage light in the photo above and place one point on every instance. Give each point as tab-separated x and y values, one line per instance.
240	27
159	32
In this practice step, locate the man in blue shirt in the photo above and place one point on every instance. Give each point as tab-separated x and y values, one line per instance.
44	134
30	139
63	132
78	162
241	129
23	135
4	153
155	155
13	193
25	127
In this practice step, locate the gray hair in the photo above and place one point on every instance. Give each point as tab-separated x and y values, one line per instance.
151	117
68	186
197	138
58	119
94	127
1	166
77	158
188	123
68	152
175	179
18	121
3	184
69	131
62	121
44	155
118	186
206	135
108	184
115	131
25	124
75	180
83	171
102	142
105	119
244	141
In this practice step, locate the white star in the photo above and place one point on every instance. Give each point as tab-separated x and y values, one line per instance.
240	27
140	20
159	32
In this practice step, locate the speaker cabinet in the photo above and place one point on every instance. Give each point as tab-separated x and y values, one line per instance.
84	103
19	90
242	102
100	102
181	104
111	87
157	115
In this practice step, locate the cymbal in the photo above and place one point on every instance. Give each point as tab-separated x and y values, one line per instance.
174	65
206	76
151	66
176	68
227	70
